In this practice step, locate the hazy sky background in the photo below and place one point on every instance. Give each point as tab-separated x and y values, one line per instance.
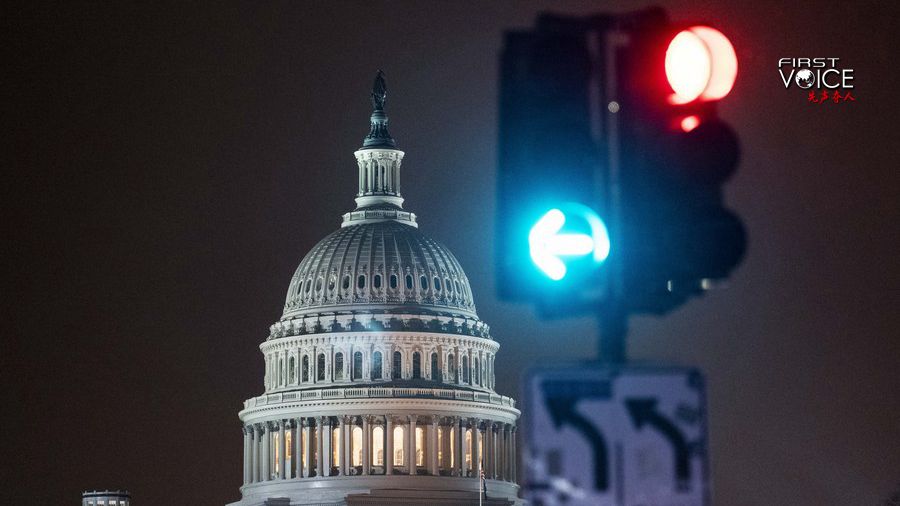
166	167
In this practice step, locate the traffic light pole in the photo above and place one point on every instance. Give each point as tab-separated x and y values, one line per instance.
613	331
613	315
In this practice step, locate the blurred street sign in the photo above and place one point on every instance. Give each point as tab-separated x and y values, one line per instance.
616	436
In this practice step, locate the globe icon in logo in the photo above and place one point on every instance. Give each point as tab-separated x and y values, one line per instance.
804	79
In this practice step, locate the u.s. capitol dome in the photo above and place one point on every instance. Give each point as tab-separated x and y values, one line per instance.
379	377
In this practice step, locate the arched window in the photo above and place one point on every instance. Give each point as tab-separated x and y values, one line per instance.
398	445
435	370
477	371
305	368
292	370
437	284
318	285
423	282
300	287
357	365
346	283
338	366
448	284
378	445
417	365
320	367
377	281
356	446
465	369
451	365
308	284
396	366
361	282
376	365
409	282
281	371
393	281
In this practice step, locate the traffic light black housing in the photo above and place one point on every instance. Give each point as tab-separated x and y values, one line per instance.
546	152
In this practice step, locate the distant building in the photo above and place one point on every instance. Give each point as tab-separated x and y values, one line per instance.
379	376
106	498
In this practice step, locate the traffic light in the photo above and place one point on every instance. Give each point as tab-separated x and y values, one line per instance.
551	237
675	153
612	159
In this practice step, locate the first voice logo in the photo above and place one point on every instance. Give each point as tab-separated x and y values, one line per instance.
826	81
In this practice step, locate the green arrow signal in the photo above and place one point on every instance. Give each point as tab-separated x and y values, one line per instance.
547	245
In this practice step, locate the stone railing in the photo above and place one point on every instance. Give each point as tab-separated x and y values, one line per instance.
379	392
375	323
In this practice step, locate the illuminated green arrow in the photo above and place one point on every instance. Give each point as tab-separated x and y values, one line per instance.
547	245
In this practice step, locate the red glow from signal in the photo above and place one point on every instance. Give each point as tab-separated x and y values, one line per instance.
700	63
689	123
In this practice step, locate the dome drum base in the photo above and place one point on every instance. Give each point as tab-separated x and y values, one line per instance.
364	490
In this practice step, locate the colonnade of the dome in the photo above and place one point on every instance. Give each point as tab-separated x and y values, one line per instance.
316	361
378	445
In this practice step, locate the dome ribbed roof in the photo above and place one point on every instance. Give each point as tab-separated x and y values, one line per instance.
379	266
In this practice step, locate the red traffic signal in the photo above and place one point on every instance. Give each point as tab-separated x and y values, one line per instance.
700	64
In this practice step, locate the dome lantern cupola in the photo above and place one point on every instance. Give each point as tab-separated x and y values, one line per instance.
378	198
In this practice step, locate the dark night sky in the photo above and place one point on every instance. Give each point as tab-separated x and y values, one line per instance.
166	167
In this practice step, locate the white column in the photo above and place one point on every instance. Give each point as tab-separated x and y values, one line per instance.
297	460
314	363
512	460
486	455
254	454
431	452
460	446
446	456
476	443
308	447
510	454
502	453
329	373
342	437
327	437
320	446
505	467
282	444
411	446
494	447
246	465
267	452
367	446
389	445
